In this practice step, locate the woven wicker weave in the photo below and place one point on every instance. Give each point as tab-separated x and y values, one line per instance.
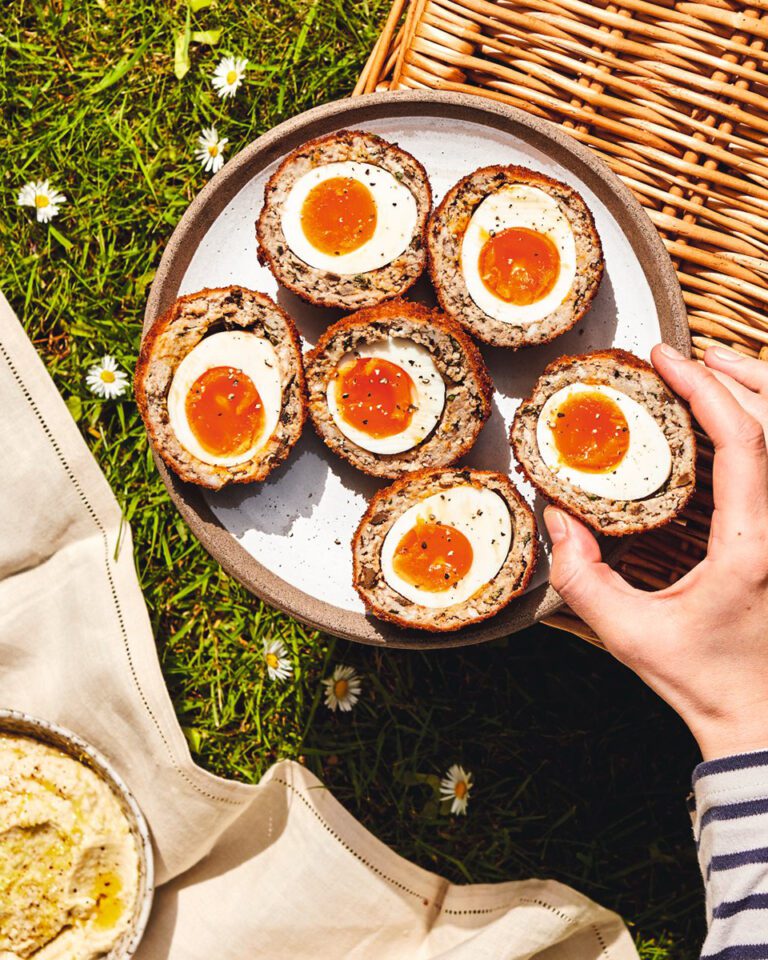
674	97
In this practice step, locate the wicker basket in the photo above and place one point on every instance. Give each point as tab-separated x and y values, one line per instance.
674	97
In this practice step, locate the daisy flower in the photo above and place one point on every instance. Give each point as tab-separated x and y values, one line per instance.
279	667
342	689
210	149
105	380
455	786
228	76
40	195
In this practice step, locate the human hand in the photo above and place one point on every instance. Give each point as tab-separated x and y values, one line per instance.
702	643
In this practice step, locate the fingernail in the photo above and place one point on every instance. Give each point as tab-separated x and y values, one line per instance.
557	524
670	352
730	356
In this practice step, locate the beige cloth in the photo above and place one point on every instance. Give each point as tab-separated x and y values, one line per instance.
278	870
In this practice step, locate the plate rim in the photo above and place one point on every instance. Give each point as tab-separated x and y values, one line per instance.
208	204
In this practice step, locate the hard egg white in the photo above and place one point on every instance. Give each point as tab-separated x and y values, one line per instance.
396	215
244	351
481	515
644	467
430	395
518	205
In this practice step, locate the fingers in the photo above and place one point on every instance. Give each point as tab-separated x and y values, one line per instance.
740	474
752	402
595	592
747	371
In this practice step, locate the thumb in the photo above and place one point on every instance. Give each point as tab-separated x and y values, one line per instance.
601	597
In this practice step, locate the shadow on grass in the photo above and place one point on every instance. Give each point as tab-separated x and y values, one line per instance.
581	773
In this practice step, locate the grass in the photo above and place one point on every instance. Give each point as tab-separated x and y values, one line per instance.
581	773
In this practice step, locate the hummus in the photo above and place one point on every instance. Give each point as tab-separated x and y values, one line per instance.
69	867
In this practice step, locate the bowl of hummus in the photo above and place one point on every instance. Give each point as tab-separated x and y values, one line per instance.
76	868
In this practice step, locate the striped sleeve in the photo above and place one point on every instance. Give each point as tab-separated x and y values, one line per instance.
730	826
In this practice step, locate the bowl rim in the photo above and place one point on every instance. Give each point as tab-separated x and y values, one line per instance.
54	735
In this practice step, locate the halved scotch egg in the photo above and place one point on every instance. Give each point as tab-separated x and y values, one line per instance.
215	407
514	256
443	549
603	441
602	437
220	386
396	388
387	396
343	220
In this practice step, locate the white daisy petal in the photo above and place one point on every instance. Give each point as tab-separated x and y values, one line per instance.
456	786
106	380
279	666
228	76
44	198
210	150
342	689
27	195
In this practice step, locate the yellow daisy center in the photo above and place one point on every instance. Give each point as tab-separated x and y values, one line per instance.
214	149
232	76
460	789
340	689
107	376
41	200
272	661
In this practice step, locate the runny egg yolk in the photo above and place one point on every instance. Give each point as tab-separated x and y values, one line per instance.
338	215
519	265
433	556
375	396
224	411
590	432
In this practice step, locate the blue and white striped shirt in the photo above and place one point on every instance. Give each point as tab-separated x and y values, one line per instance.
730	825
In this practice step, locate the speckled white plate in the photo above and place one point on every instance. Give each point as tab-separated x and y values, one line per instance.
288	539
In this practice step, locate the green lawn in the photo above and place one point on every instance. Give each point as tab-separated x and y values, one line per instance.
581	773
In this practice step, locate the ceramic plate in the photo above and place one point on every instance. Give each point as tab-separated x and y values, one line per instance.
288	539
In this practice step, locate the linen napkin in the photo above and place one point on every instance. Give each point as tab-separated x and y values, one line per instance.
279	870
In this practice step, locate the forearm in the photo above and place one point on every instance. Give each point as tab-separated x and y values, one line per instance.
730	822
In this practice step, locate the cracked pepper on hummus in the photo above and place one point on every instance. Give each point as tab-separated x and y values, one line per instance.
69	867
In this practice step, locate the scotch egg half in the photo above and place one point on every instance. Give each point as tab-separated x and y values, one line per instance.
225	397
445	548
348	217
388	396
518	254
603	441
